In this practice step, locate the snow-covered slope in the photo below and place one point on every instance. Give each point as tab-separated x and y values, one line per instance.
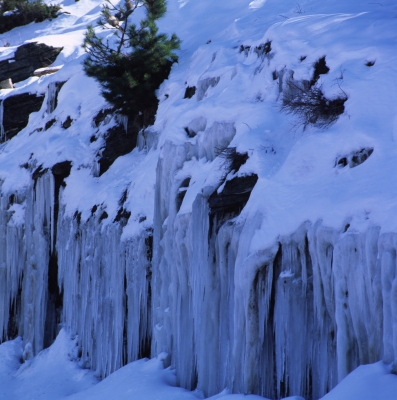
261	256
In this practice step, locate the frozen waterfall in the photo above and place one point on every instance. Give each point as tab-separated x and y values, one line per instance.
293	318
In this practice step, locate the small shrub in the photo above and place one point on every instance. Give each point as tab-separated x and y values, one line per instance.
233	159
245	49
264	48
310	105
23	12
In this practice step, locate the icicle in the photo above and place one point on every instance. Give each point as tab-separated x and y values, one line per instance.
122	119
35	262
52	95
2	135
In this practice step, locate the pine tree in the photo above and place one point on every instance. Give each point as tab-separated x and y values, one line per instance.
130	70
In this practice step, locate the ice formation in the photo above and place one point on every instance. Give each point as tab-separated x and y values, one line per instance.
294	318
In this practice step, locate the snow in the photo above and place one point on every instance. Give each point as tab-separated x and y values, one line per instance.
299	289
54	374
50	375
367	382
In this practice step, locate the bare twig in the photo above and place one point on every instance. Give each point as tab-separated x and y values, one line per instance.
298	9
247	125
310	105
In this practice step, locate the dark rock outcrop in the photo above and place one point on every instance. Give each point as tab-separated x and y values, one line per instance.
27	59
190	92
354	158
119	142
232	199
16	111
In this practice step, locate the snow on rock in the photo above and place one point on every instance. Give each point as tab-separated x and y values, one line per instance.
257	249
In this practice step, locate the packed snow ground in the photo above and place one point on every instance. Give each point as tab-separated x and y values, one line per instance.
298	179
55	375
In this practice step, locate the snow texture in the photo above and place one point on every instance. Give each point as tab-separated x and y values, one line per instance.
249	255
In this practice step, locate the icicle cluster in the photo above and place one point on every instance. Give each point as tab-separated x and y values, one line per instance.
105	291
25	257
104	282
292	319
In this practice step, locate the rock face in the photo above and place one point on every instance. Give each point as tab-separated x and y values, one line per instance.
233	197
121	141
27	59
16	111
118	143
7	84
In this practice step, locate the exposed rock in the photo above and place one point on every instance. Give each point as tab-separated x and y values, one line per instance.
50	123
245	49
264	48
61	170
67	123
234	196
182	192
197	125
46	71
354	158
6	84
28	58
119	142
100	117
190	92
122	216
16	111
320	68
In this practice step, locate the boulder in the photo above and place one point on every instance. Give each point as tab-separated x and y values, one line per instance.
28	58
6	84
16	111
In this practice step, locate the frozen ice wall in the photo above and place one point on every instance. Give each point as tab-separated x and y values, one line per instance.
102	283
294	318
106	291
